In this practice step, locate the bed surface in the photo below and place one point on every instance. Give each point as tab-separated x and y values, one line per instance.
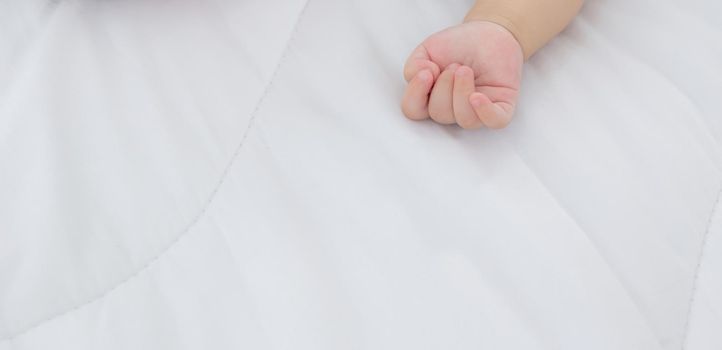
237	174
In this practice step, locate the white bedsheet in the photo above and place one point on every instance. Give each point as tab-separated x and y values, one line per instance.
222	174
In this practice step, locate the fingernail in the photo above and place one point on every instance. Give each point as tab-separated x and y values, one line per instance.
453	66
425	76
462	70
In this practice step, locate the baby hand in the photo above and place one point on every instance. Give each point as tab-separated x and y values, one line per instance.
468	74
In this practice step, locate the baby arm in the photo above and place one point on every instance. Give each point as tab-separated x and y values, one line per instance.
469	74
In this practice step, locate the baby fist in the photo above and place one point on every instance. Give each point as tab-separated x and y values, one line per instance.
468	75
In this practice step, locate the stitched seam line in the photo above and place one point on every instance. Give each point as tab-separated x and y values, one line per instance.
197	217
700	259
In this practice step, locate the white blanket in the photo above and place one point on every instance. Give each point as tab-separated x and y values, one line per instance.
217	174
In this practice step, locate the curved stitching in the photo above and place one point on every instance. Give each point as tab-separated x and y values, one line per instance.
700	258
198	216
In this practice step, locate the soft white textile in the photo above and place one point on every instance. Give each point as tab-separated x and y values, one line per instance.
217	174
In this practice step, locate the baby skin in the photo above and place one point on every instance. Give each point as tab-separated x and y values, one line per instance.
470	74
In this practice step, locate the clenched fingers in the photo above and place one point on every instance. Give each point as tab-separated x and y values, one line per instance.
416	97
463	88
441	107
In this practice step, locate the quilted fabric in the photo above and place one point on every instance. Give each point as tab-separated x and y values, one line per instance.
225	174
